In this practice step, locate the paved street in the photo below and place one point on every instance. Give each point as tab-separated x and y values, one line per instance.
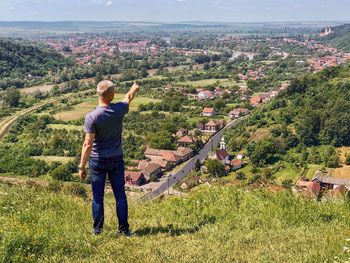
202	155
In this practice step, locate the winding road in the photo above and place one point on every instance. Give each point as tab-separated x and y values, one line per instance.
178	176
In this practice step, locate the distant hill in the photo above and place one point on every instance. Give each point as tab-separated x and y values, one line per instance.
340	38
38	28
17	60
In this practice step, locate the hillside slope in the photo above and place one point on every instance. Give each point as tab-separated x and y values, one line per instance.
306	123
17	60
216	224
340	38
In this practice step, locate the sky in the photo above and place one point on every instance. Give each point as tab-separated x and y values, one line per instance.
175	10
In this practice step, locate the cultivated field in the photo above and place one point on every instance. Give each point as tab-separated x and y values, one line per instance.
50	159
207	82
91	103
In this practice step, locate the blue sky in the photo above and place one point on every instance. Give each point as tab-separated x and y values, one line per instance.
175	10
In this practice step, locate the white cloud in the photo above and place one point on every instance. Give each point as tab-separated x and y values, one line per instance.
181	1
109	3
298	6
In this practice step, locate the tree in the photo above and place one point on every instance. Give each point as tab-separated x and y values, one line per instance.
263	152
98	77
67	49
197	165
12	96
161	140
215	167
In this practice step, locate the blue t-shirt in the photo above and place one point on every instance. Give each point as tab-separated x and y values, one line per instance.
106	123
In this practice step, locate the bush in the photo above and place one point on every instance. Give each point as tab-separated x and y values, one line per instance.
55	186
62	173
153	178
240	176
75	189
287	184
347	161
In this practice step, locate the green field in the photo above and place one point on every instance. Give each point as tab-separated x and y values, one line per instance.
290	172
213	224
67	127
50	159
312	169
207	82
91	103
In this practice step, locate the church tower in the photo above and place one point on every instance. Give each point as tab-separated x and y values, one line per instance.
223	143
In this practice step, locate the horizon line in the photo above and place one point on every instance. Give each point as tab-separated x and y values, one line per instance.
177	22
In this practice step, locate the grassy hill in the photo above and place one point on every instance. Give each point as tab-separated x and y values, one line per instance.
214	224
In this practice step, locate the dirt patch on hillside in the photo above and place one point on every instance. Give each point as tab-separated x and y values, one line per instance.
260	134
42	88
342	172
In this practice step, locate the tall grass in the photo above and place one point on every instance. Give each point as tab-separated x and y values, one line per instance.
216	224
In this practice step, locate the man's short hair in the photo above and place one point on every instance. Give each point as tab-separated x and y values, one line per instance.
105	88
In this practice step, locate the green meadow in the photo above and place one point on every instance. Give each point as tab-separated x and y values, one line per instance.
213	224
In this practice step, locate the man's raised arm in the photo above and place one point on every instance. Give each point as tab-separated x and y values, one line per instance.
131	94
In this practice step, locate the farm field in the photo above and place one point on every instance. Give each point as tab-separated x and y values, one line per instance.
207	82
67	127
91	103
50	159
312	169
342	172
290	172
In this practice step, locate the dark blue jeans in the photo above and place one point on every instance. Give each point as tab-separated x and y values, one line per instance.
114	167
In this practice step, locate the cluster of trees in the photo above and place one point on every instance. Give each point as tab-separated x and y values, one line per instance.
18	60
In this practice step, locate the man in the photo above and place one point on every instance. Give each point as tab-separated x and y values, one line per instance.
103	149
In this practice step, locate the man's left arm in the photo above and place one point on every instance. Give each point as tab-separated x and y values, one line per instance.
85	154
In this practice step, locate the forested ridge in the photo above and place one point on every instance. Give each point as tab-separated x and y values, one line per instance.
17	60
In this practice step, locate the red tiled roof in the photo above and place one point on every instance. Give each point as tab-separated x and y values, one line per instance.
185	139
255	100
211	123
221	154
133	176
182	151
171	157
208	110
236	163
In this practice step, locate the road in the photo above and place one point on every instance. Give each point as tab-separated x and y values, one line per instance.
6	124
178	176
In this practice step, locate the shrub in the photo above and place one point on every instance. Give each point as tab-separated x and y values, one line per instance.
153	178
347	161
240	176
62	173
287	184
55	186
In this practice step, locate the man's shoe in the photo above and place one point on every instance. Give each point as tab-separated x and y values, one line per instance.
126	233
99	232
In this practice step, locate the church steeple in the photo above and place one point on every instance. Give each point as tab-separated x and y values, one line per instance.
223	143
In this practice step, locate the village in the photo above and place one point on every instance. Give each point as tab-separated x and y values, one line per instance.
88	49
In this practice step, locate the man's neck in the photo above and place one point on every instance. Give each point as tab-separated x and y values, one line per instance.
103	103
